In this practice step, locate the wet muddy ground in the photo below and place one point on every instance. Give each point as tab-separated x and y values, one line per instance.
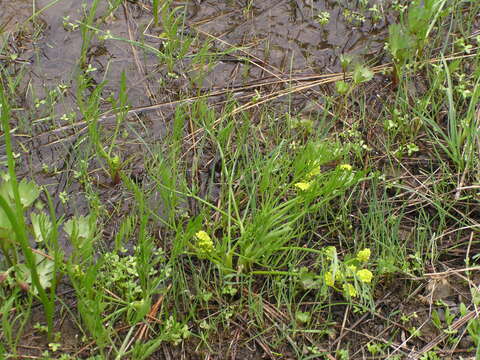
269	40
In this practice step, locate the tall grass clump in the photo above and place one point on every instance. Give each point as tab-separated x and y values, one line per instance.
38	271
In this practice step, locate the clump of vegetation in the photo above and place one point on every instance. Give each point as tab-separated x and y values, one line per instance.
154	203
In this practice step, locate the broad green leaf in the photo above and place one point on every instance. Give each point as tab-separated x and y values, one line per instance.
29	192
45	270
5	225
79	228
42	226
400	43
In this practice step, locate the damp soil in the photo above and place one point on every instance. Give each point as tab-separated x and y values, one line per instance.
274	39
277	40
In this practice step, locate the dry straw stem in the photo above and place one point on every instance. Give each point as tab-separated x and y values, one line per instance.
455	326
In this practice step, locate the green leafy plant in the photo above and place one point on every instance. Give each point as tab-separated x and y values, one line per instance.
271	224
360	74
473	328
89	106
408	39
28	192
175	45
15	197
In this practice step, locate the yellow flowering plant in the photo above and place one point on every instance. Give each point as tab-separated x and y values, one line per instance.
274	221
304	186
309	178
350	276
204	243
349	290
345	167
364	255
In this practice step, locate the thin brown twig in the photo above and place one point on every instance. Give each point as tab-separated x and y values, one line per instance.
455	326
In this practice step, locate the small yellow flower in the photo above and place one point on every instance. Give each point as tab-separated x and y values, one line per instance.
365	275
338	275
330	252
350	290
351	269
314	172
364	255
204	243
329	280
346	167
304	186
202	235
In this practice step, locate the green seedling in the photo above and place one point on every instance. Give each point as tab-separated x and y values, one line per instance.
89	106
303	317
360	75
449	319
400	45
473	328
375	348
323	18
345	61
342	87
175	45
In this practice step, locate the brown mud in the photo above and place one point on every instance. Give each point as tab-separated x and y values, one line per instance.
273	39
276	39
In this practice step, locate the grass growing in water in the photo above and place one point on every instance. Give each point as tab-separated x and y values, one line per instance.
280	233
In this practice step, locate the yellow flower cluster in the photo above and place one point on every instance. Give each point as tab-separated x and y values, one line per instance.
204	242
329	279
345	167
364	255
314	172
304	186
349	271
307	183
350	290
365	275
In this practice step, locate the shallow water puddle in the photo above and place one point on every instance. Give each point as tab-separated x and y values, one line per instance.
270	38
292	35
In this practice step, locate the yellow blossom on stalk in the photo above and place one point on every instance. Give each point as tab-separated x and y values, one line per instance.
364	255
314	172
304	186
338	275
350	290
365	275
204	242
329	280
351	269
346	167
330	252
